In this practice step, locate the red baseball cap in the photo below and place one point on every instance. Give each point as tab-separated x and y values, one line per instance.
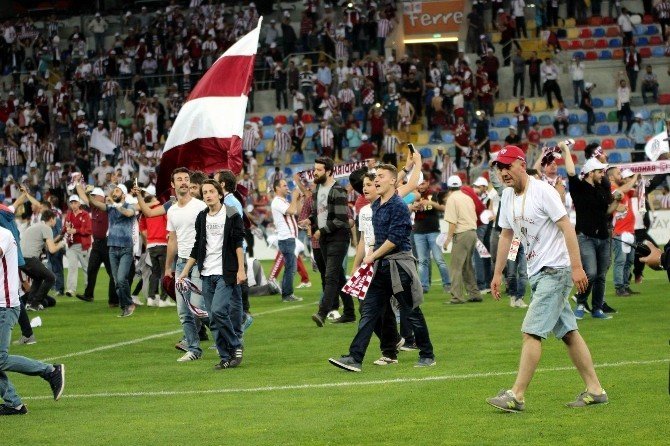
509	154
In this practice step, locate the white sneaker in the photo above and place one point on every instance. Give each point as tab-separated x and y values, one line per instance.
520	304
334	314
385	361
137	301
166	303
152	302
305	285
512	302
188	356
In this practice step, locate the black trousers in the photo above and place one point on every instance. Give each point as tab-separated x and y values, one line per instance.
157	254
535	84
100	255
386	330
43	280
333	253
551	86
24	320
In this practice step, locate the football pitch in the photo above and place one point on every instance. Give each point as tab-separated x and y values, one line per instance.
124	385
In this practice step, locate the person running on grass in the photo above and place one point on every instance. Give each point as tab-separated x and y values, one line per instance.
532	211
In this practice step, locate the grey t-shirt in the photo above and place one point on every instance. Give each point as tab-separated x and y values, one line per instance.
34	239
322	205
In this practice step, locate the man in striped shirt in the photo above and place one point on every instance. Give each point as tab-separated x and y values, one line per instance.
110	89
281	144
384	28
31	151
346	98
327	139
12	158
307	79
250	138
663	14
389	146
283	214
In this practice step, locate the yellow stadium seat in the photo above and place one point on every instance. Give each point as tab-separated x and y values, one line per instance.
511	105
262	184
495	38
573	33
539	105
261	172
570	23
423	137
501	107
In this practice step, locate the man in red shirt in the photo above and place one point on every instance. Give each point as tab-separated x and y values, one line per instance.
461	134
77	234
624	229
367	149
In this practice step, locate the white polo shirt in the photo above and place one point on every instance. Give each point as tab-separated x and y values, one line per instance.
9	270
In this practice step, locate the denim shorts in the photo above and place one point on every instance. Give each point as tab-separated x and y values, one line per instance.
549	310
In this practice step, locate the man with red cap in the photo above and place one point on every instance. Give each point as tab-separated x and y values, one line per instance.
532	212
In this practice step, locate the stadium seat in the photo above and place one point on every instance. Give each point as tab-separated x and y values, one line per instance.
260	148
601	43
603	130
423	138
585	33
595	21
493	135
539	105
280	119
501	107
532	119
641	41
658	51
255	119
495	148
511	105
615	43
617	54
647	19
614	157
569	23
268	132
664	99
307	118
549	132
463	176
583	118
654	40
597	102
573	33
268	120
591	55
598	32
605	55
575	44
600	116
573	118
652	30
623	143
562	172
588	44
639	30
426	152
609	102
612	116
262	185
575	131
612	31
289	120
310	130
607	143
546	120
645	52
579	54
501	122
579	145
297	158
625	157
607	20
448	138
645	113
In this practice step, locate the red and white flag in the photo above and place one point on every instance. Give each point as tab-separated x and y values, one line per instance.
207	133
358	284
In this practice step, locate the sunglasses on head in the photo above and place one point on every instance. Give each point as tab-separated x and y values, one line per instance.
501	166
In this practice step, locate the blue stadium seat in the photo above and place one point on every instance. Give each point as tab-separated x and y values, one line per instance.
573	119
615	43
359	114
600	116
532	120
575	131
605	55
288	172
493	135
626	157
623	143
268	132
268	120
658	51
597	102
598	32
583	119
651	30
614	157
513	121
448	138
297	158
310	130
426	152
546	120
641	41
645	113
603	130
609	102
579	54
562	172
502	122
640	30
261	147
289	120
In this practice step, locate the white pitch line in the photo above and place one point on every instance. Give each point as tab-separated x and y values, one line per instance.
154	336
334	385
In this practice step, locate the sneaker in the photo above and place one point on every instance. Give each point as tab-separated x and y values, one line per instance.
316	317
638	279
136	300
246	323
56	380
84	297
344	320
291	298
587	399
506	400
237	359
188	356
30	340
70	293
446	288
305	285
512	302
333	315
408	347
425	362
621	292
579	312
385	361
607	309
455	301
631	291
400	343
127	312
9	410
274	286
485	291
599	314
519	303
152	302
347	363
224	364
181	345
33	307
475	299
167	302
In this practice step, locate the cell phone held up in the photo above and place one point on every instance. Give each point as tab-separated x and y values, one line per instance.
410	146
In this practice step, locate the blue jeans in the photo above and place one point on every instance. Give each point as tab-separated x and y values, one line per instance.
287	248
578	89
426	245
11	363
56	267
517	275
190	324
378	296
595	254
482	266
622	265
121	260
218	297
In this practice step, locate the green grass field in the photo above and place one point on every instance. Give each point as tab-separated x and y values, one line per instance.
124	385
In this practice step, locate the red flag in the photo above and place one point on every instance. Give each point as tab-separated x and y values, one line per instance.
207	133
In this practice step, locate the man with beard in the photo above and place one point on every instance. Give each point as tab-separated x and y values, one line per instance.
330	222
121	217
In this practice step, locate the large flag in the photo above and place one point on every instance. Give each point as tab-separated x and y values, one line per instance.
102	143
207	134
656	146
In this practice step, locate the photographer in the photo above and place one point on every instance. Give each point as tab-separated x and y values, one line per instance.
658	260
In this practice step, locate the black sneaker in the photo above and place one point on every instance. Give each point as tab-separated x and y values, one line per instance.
347	363
318	319
84	298
224	364
622	292
9	410
409	347
344	320
607	309
237	359
56	380
631	291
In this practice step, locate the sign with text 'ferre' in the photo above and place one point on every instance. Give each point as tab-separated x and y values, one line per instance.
440	17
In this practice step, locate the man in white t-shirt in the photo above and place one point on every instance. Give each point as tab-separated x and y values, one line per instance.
9	315
218	252
283	215
532	211
181	238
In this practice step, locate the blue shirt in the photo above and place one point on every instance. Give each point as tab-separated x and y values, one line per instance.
120	232
391	221
232	201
